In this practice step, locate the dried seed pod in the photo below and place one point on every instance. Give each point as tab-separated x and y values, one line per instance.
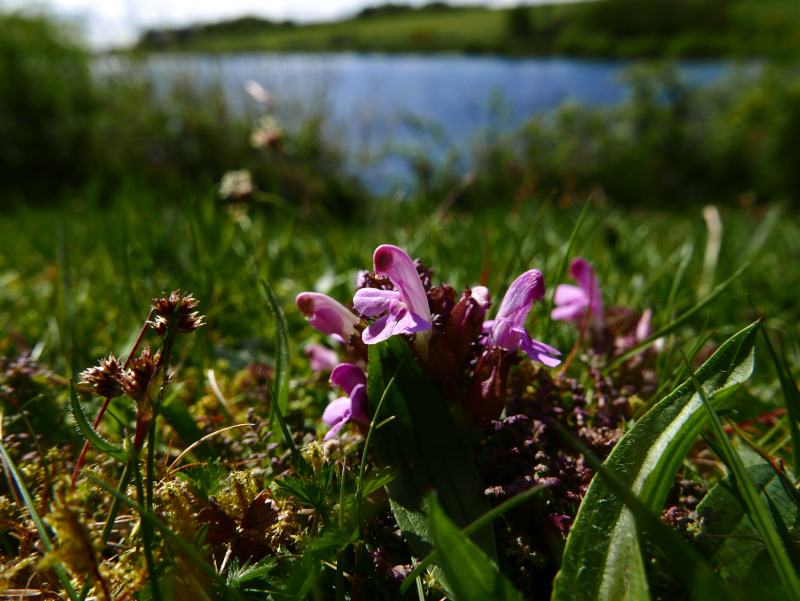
136	380
178	306
105	378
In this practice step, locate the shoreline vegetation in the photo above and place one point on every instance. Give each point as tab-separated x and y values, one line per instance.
607	28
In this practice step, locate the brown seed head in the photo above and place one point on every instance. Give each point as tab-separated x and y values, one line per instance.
136	380
180	307
105	378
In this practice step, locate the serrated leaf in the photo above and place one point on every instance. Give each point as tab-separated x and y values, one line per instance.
98	442
422	443
311	490
376	479
333	540
471	575
602	559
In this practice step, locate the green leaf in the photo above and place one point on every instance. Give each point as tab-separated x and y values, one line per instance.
333	540
486	518
728	534
98	442
204	480
377	478
471	575
422	443
688	564
792	398
311	490
602	559
758	513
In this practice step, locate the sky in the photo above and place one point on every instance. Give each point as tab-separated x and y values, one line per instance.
109	23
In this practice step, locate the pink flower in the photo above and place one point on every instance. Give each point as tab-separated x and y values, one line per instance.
507	330
321	357
352	407
571	301
328	315
407	304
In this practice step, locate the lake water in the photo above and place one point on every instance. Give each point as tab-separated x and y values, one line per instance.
381	106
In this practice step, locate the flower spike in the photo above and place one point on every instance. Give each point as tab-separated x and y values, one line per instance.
409	312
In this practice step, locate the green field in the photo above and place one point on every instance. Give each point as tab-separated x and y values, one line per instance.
606	28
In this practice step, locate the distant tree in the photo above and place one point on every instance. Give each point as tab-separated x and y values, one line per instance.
518	22
383	10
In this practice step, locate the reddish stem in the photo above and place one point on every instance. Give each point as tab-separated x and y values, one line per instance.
761	418
102	411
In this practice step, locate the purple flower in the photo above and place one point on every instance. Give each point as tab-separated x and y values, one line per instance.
352	407
321	357
641	333
328	315
572	301
407	304
507	330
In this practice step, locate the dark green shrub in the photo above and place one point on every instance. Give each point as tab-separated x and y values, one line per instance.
46	105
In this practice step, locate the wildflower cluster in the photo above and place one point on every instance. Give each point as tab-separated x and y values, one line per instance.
466	355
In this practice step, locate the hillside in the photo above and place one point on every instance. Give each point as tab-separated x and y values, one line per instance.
608	28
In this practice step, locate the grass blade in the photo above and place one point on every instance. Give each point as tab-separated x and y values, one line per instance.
670	327
487	518
792	398
472	575
758	512
37	520
562	266
282	357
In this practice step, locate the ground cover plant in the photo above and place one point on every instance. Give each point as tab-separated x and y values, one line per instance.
291	505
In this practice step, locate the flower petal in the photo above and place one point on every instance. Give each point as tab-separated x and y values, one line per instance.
643	328
504	334
371	301
337	411
327	315
335	430
358	404
567	294
519	299
394	262
481	295
538	351
583	272
569	312
321	357
409	322
379	330
348	376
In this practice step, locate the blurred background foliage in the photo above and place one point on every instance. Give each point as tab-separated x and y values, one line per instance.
61	128
620	28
